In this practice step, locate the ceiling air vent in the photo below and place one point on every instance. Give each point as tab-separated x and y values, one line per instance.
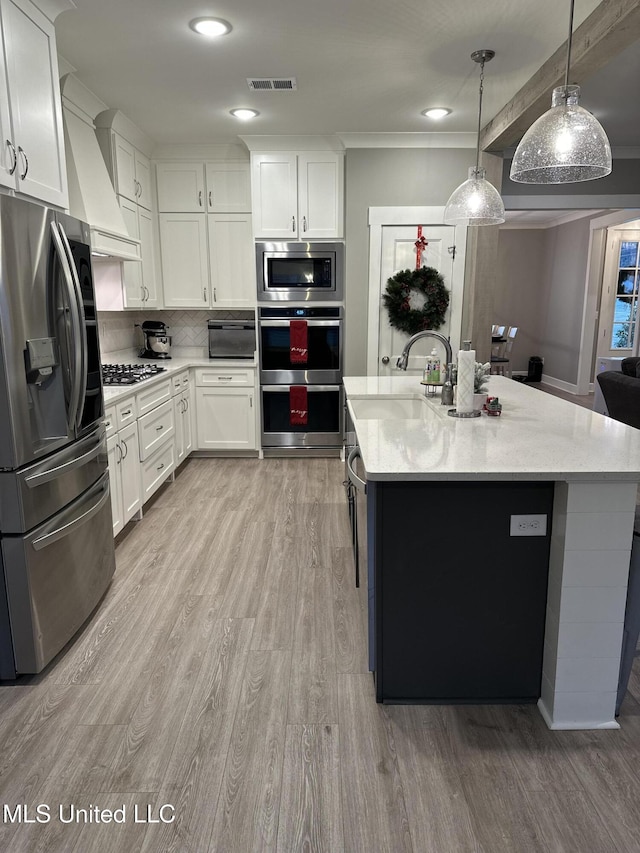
272	84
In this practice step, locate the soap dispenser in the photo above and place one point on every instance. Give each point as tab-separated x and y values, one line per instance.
432	369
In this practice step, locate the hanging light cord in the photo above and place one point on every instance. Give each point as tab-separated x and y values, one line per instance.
569	40
479	116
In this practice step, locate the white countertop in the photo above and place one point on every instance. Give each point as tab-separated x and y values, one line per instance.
173	365
537	437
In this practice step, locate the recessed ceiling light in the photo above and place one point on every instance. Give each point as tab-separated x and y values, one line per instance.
210	26
436	112
244	114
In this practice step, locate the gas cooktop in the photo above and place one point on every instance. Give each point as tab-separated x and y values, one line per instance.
128	374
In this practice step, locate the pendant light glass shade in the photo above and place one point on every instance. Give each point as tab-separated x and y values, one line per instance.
475	202
564	146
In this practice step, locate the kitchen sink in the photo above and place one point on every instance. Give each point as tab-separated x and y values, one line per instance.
390	408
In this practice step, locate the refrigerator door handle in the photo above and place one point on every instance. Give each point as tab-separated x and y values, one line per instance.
81	325
71	519
76	382
49	474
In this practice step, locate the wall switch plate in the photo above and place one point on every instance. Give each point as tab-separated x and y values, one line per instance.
528	525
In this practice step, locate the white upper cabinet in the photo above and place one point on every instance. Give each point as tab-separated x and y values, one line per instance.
132	172
33	160
185	273
228	187
231	261
297	196
203	187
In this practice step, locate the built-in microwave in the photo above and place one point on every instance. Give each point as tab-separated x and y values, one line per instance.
302	272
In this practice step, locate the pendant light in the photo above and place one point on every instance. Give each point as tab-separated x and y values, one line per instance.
565	145
476	201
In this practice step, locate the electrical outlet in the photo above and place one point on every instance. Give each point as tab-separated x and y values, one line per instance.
528	525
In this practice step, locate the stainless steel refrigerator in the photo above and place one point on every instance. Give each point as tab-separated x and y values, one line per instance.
56	541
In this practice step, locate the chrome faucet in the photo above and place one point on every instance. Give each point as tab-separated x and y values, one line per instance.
446	397
403	359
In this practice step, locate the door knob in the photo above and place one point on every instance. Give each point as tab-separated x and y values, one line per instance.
385	359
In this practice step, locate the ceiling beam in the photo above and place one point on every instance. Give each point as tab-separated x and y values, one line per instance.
609	29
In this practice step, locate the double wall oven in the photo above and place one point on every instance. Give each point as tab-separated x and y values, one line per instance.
301	377
300	344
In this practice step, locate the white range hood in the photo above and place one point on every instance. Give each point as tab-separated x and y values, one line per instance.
91	195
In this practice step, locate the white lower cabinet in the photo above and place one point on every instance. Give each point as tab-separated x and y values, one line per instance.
182	416
157	468
124	468
226	414
226	419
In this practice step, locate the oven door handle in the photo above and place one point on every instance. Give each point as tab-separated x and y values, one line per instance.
285	323
284	389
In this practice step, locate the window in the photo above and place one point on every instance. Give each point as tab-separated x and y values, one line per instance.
625	312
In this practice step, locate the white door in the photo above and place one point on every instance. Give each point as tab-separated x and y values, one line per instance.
228	187
180	187
143	179
274	190
131	270
130	471
225	419
399	253
34	95
233	269
185	260
125	157
114	457
320	196
148	264
618	326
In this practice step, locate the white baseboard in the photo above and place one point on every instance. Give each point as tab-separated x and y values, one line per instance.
569	387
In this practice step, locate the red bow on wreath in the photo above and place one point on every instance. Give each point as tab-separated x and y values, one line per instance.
421	245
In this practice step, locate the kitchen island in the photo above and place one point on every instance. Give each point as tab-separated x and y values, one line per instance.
442	488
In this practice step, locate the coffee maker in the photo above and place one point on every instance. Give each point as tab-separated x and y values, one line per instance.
156	341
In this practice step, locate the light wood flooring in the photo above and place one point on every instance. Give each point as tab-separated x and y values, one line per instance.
225	674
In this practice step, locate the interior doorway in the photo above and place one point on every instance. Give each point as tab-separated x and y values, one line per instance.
392	236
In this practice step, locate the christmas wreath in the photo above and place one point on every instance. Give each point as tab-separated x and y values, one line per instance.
397	300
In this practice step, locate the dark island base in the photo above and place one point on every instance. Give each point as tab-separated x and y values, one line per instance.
460	604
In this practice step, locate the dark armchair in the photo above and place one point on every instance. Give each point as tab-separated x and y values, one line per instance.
621	392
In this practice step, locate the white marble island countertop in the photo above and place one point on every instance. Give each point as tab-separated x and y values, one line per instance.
537	437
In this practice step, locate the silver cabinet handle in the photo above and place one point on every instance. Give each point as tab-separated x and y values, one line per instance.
142	292
304	223
126	449
14	156
210	200
128	412
160	467
184	404
204	293
225	378
26	163
119	449
251	402
385	359
200	197
360	485
293	223
147	294
215	294
160	427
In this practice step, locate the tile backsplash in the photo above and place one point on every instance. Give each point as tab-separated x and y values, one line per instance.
118	330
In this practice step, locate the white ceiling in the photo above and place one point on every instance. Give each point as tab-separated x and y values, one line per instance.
361	66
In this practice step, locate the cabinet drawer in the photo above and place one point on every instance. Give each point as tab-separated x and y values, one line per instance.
126	412
158	393
205	376
179	382
155	428
156	469
110	421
